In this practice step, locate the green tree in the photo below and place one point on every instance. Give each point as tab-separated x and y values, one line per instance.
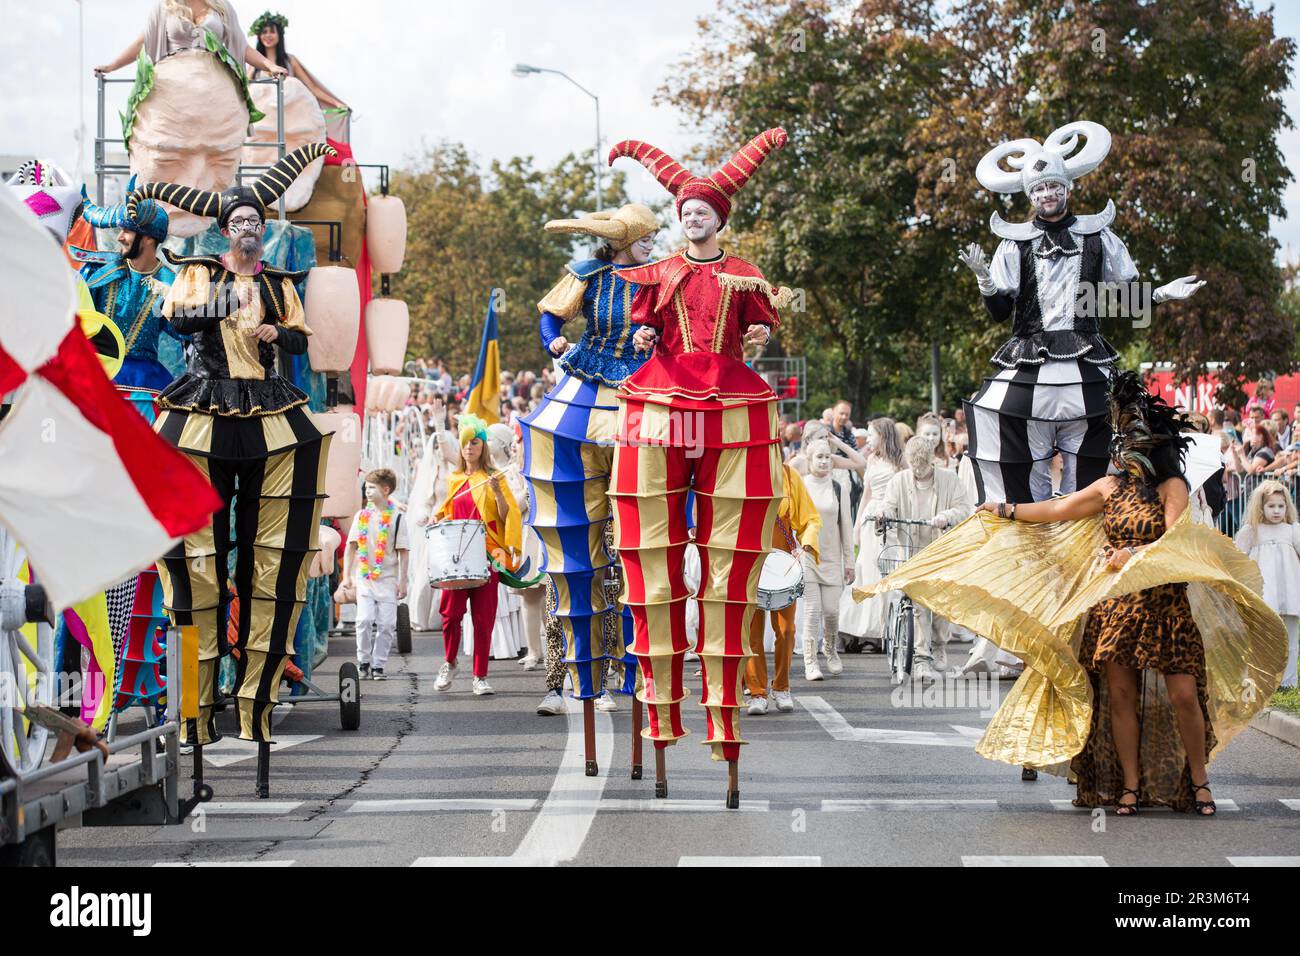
890	104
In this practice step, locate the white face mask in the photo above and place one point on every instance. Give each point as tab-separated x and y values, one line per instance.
1275	509
1048	198
822	462
699	220
643	248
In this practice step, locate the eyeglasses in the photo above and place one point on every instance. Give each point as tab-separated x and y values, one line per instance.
244	225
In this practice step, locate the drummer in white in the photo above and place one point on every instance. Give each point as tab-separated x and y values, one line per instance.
797	528
826	572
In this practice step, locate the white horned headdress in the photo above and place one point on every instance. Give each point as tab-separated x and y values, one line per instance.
1059	158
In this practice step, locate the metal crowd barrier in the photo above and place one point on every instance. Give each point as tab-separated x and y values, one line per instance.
1239	491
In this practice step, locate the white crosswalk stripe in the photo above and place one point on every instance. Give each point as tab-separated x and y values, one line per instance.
1033	861
441	805
841	806
1264	860
750	861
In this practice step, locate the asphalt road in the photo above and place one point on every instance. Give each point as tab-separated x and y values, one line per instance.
851	777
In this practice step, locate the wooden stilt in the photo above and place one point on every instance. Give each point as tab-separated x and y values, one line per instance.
636	738
198	768
661	775
733	785
263	770
589	735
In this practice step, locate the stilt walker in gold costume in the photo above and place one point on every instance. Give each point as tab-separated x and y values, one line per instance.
249	432
695	419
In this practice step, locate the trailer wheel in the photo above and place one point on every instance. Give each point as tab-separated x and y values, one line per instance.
403	629
36	850
349	696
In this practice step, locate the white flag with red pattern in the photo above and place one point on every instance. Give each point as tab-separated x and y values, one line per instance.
86	487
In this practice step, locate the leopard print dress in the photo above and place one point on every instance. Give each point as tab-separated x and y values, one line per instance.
1153	632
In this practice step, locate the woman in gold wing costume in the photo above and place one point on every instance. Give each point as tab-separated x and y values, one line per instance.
1147	644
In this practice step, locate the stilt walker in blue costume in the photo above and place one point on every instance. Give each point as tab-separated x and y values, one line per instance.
569	451
130	286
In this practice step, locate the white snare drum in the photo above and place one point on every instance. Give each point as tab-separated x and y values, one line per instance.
457	553
780	583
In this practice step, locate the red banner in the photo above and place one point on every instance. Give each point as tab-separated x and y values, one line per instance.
1286	390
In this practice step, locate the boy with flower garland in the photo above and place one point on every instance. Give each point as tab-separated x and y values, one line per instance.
375	568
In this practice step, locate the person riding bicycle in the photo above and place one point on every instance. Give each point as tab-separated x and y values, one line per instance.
937	495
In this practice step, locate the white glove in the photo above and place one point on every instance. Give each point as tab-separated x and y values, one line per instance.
939	521
1183	288
973	258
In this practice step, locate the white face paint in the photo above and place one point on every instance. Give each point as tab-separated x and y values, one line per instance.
699	220
822	461
931	433
374	493
872	441
643	248
1049	199
1275	509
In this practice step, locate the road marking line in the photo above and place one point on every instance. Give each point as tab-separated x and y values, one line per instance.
749	861
475	861
1290	804
561	826
618	804
840	806
1225	805
232	750
1033	861
840	729
1264	860
278	863
566	816
452	804
249	807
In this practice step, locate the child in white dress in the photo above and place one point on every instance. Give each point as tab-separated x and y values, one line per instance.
1271	536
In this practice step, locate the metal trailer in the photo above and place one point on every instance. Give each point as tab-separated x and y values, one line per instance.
137	786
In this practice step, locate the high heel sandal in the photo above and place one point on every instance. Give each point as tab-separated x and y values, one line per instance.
1203	805
1127	809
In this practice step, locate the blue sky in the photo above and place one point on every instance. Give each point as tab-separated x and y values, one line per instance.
446	74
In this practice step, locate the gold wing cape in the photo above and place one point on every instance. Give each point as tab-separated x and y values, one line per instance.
1027	587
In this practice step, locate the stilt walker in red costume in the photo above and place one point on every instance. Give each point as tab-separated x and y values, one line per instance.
696	419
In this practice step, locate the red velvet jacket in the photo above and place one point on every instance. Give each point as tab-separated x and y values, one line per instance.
702	307
701	311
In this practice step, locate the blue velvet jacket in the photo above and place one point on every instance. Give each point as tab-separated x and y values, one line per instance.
134	303
604	354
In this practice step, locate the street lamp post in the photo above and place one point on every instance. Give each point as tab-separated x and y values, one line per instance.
523	70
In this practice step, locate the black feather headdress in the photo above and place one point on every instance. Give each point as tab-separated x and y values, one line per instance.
1147	439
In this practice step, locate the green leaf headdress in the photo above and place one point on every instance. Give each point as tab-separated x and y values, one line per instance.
267	19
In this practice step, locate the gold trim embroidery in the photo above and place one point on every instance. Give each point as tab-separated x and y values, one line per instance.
683	322
720	320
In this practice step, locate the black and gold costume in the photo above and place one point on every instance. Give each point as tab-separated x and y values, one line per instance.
248	430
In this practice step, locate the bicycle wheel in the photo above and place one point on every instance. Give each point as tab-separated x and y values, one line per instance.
909	639
887	636
898	646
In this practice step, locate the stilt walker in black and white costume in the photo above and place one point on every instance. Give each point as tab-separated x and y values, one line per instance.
1049	392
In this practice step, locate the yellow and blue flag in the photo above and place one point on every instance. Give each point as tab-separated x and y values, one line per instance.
485	388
